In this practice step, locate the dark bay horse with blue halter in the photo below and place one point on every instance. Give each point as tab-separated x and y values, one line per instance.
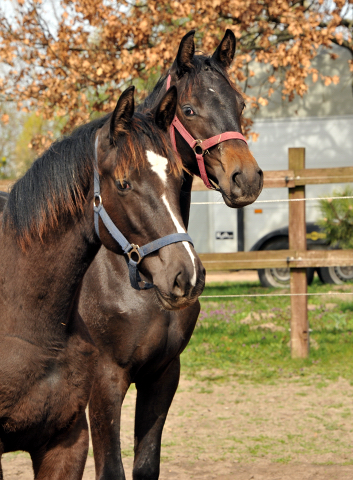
112	182
137	341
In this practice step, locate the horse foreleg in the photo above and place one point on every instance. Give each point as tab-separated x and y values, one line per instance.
64	457
107	395
152	405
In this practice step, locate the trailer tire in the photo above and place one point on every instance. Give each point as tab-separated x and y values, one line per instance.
279	277
335	275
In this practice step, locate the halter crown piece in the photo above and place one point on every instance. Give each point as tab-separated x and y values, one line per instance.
200	147
128	248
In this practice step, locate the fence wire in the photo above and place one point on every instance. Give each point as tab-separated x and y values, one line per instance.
268	260
276	295
280	200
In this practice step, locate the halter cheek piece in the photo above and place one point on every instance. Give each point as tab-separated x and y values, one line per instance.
200	147
133	252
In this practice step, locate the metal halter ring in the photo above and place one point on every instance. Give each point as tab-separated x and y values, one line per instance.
134	249
99	198
198	146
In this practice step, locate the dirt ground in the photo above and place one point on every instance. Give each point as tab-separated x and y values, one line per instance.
287	431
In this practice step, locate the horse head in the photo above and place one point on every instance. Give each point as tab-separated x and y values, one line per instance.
140	180
209	105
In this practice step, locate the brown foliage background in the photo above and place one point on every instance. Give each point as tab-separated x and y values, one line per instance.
79	62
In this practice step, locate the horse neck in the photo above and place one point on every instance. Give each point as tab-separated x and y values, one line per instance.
39	286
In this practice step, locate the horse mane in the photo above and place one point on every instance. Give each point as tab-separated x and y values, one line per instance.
55	187
198	62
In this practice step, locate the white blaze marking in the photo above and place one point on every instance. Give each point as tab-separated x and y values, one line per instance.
158	164
180	229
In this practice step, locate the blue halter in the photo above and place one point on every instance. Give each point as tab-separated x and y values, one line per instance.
128	248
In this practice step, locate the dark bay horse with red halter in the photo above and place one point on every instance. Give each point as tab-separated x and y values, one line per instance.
112	182
137	341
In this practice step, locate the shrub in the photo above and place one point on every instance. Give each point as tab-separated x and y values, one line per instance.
337	218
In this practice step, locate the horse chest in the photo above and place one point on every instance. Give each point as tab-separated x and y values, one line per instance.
44	389
166	336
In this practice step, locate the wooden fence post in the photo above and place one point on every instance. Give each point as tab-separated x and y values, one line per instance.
297	241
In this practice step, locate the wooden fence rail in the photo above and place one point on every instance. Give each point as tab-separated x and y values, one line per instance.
312	176
276	258
292	178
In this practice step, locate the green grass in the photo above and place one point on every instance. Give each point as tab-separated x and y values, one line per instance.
228	342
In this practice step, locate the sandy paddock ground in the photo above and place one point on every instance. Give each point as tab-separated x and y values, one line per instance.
286	431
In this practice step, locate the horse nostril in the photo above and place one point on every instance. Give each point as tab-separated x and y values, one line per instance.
178	287
235	178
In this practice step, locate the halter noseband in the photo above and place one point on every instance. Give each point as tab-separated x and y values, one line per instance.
130	249
200	147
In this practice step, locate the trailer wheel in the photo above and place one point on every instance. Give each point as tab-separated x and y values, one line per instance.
279	277
335	275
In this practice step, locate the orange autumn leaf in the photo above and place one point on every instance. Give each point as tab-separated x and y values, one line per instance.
5	118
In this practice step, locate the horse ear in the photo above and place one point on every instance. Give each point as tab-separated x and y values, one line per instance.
165	111
183	61
122	114
225	51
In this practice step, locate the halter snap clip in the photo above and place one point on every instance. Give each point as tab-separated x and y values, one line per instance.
198	150
135	250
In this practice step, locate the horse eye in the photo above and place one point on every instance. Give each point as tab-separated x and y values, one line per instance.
189	112
124	186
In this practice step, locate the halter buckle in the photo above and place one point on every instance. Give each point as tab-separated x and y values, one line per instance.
97	198
197	147
134	250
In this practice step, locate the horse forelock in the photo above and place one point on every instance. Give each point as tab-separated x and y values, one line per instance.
199	61
144	135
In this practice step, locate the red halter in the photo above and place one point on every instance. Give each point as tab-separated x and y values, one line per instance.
200	147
